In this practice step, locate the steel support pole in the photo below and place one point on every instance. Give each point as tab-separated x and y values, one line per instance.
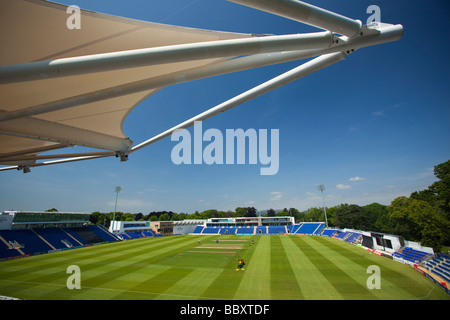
308	14
283	79
370	37
161	55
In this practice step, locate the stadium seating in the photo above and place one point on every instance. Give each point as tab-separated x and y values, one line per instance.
198	230
352	237
137	234
304	228
104	234
7	248
347	236
410	254
228	230
245	230
29	242
211	230
16	243
261	230
329	232
56	237
308	228
134	235
277	229
87	235
439	265
341	235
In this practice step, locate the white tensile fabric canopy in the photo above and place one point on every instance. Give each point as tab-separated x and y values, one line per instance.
61	87
97	124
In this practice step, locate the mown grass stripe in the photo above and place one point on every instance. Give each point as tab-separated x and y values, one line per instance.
99	271
109	253
283	284
343	283
106	274
227	282
397	281
191	286
313	284
350	270
162	268
160	282
256	277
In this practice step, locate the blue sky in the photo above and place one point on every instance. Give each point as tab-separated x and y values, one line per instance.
369	128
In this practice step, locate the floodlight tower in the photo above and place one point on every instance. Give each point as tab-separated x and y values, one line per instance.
117	190
321	187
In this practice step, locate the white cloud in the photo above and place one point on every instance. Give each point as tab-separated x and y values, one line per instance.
276	196
357	179
379	113
343	186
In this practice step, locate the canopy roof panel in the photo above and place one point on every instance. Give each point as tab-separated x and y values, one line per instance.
99	33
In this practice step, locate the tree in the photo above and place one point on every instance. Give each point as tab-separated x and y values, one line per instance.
251	212
331	212
372	214
349	216
293	212
95	217
271	213
314	214
417	220
228	214
211	213
240	212
164	217
438	196
442	187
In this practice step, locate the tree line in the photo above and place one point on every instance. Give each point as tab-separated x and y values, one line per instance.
424	216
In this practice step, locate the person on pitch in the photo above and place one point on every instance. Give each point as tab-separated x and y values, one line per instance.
241	264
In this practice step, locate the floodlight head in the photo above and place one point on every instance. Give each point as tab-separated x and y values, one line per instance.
321	187
118	189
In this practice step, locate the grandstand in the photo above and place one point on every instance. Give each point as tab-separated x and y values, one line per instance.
410	254
258	226
25	233
439	265
141	229
313	228
26	242
392	246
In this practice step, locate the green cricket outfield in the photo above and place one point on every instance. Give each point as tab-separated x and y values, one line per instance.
278	267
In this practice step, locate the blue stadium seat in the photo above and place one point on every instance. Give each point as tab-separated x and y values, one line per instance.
309	228
410	254
198	229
